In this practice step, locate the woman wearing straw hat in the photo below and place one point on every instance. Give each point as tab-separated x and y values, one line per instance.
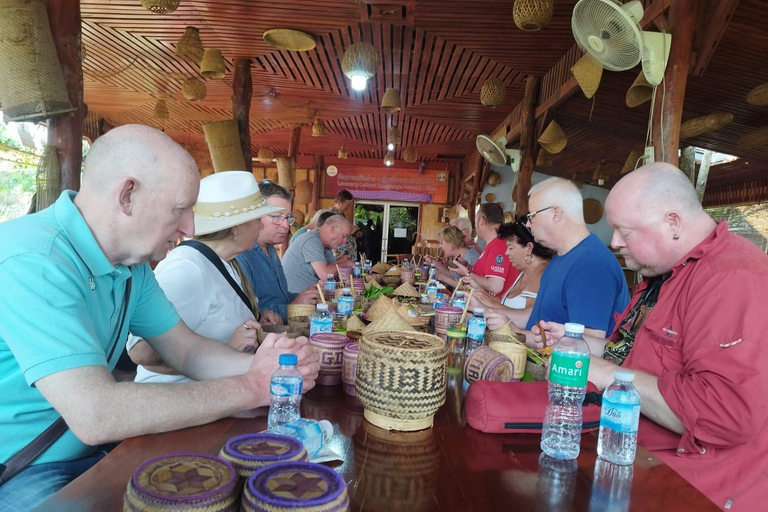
202	278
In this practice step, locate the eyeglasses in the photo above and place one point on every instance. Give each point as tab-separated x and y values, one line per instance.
531	215
279	219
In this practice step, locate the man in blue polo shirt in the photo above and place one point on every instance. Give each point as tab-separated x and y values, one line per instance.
65	273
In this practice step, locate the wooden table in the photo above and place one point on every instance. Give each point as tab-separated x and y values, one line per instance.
450	467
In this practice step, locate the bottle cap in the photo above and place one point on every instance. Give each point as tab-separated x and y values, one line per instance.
322	307
288	359
479	311
346	290
572	327
330	277
624	375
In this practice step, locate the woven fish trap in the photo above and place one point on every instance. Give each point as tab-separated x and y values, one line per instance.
160	6
32	84
705	124
318	128
303	192
295	310
161	110
492	92
401	379
48	178
183	482
194	89
758	95
754	138
223	139
532	15
190	47
250	452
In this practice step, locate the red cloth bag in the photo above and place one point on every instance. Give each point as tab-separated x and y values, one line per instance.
519	407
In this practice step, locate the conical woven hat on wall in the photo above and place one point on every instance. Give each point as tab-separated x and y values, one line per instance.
758	95
704	124
213	65
639	92
378	308
266	155
303	192
286	171
32	84
223	139
190	47
553	139
588	73
390	320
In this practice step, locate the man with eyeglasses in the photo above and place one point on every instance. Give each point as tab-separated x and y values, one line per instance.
262	266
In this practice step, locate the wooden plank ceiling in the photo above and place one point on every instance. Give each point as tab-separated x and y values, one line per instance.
437	52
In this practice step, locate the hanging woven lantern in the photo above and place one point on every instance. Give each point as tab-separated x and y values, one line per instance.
389	158
359	63
161	110
601	176
393	136
213	65
754	138
190	47
410	155
266	155
532	15
704	124
553	139
194	89
223	139
303	192
391	101
343	152
286	171
160	6
318	128
758	95
639	92
577	180
492	92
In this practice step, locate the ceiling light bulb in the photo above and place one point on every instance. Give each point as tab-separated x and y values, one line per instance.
601	182
359	82
391	146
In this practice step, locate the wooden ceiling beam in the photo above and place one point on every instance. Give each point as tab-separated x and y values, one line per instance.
713	30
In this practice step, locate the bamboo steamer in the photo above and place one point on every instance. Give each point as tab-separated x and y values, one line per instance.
401	379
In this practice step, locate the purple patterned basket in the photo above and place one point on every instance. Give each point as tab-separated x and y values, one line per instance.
349	367
183	481
295	486
444	315
249	452
329	347
345	271
487	364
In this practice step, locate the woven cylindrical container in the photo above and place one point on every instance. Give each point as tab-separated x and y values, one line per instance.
286	171
401	378
407	276
515	352
345	271
32	84
295	487
318	128
266	155
758	95
303	192
360	59
754	138
190	47
445	315
343	153
160	6
183	481
487	364
295	310
194	89
492	92
250	452
223	139
704	124
531	15
213	65
410	155
349	366
330	348
391	101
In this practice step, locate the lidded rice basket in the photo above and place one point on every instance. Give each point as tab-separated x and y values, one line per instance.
349	367
488	364
250	452
401	378
329	347
183	481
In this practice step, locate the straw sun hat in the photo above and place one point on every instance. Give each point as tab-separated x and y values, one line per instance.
228	199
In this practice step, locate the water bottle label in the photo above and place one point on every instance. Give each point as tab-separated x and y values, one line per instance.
459	303
320	326
330	286
286	388
345	304
569	368
476	329
623	418
356	272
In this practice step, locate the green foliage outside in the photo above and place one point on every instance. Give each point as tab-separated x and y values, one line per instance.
18	166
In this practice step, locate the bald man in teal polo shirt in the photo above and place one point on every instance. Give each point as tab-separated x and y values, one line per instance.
64	317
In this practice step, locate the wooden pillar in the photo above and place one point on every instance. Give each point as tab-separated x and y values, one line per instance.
688	163
66	131
527	143
701	180
457	183
482	168
242	90
318	173
293	142
668	109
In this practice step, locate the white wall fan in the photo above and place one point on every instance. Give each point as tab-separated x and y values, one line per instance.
610	32
495	152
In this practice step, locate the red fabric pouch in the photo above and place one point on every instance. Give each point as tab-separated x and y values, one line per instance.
519	407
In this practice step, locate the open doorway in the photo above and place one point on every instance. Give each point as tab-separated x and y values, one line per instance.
388	228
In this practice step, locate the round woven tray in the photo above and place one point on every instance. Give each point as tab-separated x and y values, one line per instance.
250	452
593	211
289	39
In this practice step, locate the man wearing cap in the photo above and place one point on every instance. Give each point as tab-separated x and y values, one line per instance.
75	281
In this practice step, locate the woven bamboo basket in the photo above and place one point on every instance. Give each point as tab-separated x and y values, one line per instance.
213	65
318	128
286	171
32	84
329	346
639	92
289	39
194	89
532	15
410	155
701	125
299	324
300	310
391	101
360	59
349	366
553	139
588	73
223	139
515	352
758	95
343	153
754	138
190	47
160	6
401	379
492	92
161	110
303	192
269	329
266	155
488	364
390	320
251	452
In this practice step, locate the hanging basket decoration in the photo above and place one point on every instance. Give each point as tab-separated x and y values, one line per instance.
639	92
289	39
318	128
343	153
492	92
213	65
588	73
265	156
161	110
577	180
494	178
190	47
391	101
303	192
593	210
410	155
758	95
286	171
704	124
553	139
194	89
223	139
544	159
32	84
160	6
394	136
360	60
601	176
632	161
754	138
532	15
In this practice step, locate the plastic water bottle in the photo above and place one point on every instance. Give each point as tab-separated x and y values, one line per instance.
330	284
619	418
321	321
475	331
611	487
568	371
312	434
438	300
346	302
285	392
356	270
459	300
432	286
